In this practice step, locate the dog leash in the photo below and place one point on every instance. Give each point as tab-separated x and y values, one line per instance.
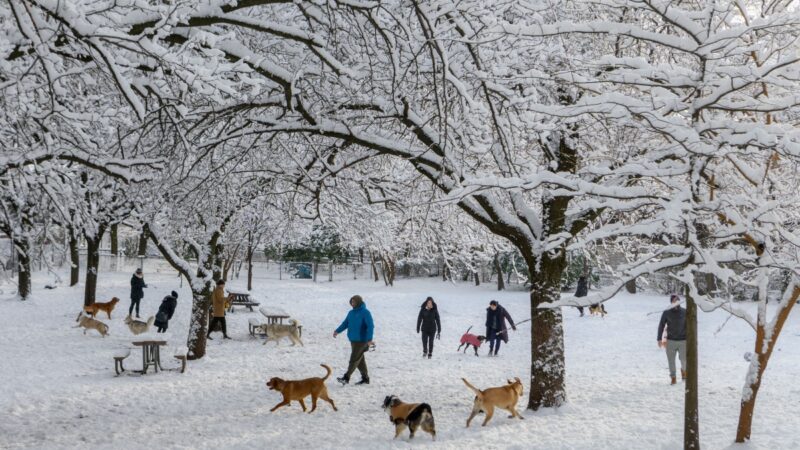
515	325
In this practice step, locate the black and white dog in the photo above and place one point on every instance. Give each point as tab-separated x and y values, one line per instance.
409	415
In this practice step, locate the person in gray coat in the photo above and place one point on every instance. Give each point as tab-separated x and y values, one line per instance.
674	320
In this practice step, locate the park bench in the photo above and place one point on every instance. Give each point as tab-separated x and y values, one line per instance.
181	353
240	299
120	356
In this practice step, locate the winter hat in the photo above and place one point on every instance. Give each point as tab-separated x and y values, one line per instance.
674	298
139	271
174	294
356	301
493	302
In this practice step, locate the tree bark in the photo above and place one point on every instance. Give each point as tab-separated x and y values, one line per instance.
374	268
75	260
114	240
23	250
143	243
198	323
499	269
250	268
547	335
691	418
758	365
92	267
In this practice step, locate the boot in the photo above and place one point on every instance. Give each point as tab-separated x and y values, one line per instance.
364	380
424	355
673	380
343	379
430	355
683	374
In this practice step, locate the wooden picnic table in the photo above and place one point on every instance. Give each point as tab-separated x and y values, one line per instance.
241	299
151	354
274	315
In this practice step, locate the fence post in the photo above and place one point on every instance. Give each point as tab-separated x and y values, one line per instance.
355	276
280	269
330	270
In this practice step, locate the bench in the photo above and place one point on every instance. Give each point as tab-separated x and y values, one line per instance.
181	353
119	356
253	325
240	299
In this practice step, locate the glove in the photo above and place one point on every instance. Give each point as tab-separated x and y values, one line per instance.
438	336
417	331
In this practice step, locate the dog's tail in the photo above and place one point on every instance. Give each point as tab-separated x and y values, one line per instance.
294	322
150	321
327	374
477	391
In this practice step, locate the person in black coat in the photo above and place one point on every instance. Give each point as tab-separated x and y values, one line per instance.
496	329
137	292
165	311
582	290
429	324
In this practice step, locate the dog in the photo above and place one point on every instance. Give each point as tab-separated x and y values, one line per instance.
297	390
138	326
89	323
276	332
504	397
409	415
598	309
94	308
471	339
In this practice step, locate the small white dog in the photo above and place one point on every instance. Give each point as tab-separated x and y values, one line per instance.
138	326
276	332
91	324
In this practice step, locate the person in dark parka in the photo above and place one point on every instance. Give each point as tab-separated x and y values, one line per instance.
496	329
137	292
429	324
582	290
165	311
674	320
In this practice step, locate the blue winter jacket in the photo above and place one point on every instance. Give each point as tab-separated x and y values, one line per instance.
358	324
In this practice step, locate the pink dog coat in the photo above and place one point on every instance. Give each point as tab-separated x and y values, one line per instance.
470	339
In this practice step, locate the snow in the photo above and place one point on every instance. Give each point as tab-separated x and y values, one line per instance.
59	389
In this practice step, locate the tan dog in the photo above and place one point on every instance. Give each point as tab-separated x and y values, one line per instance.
276	332
138	326
598	309
411	415
504	397
297	390
91	324
96	307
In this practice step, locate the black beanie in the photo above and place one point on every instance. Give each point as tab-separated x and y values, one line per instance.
174	294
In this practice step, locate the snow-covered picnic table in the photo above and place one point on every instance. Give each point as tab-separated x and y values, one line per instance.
274	315
238	298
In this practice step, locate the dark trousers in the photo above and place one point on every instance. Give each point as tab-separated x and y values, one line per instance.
358	359
494	340
136	304
427	342
214	321
161	329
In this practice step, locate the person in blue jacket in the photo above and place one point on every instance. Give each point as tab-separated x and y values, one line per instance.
359	326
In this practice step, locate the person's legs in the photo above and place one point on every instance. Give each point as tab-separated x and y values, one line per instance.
672	348
211	325
491	337
682	357
430	344
224	328
498	340
357	350
134	303
424	343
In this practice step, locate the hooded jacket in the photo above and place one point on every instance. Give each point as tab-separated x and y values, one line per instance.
168	308
358	324
137	284
428	319
496	320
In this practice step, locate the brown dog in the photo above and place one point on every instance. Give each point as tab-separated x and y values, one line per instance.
297	390
96	307
504	397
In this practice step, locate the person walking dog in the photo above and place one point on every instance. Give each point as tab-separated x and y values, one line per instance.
359	326
496	329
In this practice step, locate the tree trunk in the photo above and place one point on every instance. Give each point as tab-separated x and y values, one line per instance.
198	323
547	335
499	269
374	268
143	243
250	268
75	260
114	240
691	421
758	364
92	266
330	270
23	250
316	266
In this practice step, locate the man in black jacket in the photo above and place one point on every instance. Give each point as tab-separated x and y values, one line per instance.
674	319
428	322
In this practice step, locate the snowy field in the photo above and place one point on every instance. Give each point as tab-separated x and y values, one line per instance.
58	386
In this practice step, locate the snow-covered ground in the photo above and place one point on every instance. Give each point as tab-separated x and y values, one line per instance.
58	387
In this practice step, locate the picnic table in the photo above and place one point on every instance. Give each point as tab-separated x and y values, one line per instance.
151	354
274	315
241	299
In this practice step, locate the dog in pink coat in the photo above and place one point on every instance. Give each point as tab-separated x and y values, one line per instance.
471	339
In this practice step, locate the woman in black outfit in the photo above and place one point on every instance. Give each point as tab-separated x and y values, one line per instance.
428	322
165	311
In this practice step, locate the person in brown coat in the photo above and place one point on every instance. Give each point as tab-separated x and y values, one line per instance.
218	302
